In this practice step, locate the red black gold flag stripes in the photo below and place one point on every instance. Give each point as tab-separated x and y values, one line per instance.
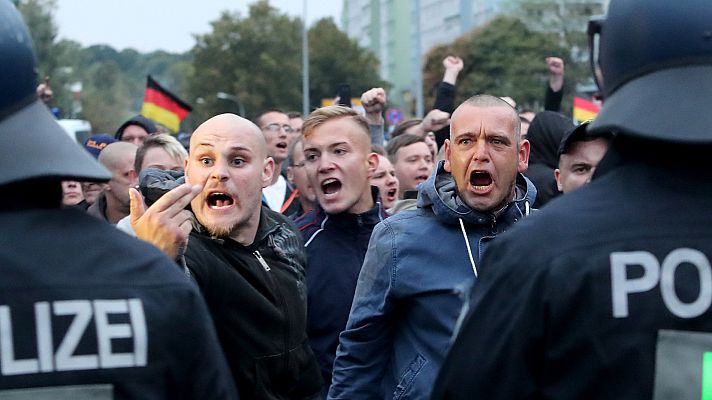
163	106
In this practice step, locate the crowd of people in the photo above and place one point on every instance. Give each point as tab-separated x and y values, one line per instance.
309	257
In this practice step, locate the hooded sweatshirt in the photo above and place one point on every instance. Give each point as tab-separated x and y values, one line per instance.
544	135
415	280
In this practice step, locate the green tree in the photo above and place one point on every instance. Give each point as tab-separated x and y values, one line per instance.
334	58
567	19
256	58
502	58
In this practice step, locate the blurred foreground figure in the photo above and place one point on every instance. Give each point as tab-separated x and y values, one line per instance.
80	320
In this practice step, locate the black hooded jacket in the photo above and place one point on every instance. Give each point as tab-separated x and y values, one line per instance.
545	134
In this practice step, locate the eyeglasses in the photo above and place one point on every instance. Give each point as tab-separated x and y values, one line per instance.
274	128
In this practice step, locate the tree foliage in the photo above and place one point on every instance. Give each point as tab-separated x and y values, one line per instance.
502	58
112	81
258	59
567	19
334	58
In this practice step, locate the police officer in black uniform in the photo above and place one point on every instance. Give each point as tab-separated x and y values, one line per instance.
607	292
85	310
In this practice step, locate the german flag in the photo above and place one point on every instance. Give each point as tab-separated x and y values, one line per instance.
584	110
163	106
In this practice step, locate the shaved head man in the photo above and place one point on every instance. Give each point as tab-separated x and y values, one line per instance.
113	203
421	263
228	158
247	259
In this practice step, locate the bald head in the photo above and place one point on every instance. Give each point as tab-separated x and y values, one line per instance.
114	155
487	101
230	126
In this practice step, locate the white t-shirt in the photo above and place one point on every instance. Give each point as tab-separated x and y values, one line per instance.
274	194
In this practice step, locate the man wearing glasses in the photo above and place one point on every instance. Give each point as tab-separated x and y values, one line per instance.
277	130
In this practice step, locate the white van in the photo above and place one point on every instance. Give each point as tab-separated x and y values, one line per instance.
77	129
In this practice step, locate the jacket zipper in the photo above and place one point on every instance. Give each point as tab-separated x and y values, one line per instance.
262	261
285	308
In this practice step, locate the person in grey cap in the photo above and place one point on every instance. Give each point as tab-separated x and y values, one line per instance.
607	292
85	310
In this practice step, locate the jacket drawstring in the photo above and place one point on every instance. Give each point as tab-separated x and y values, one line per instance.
469	250
526	208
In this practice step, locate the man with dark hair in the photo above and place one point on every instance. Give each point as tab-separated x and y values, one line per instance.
606	294
412	160
579	155
278	133
420	264
85	310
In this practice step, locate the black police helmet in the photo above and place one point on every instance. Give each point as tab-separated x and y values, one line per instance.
656	63
32	142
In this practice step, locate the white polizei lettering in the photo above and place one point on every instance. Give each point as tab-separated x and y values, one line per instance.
11	366
64	358
621	286
138	323
45	349
667	283
105	332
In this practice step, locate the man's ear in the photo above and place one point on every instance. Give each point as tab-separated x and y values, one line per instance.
446	166
372	163
185	170
557	176
267	171
524	147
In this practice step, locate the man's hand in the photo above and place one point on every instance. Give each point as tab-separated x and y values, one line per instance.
374	101
166	224
453	65
435	120
555	65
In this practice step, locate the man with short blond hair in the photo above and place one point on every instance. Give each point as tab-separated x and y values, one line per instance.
338	162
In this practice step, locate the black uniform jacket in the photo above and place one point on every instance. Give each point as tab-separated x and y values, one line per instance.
604	294
88	312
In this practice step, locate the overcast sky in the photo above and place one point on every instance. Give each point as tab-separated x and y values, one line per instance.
148	25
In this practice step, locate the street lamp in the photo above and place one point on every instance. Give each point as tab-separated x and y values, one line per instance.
234	99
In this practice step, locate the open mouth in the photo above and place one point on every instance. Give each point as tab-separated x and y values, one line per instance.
218	200
421	178
282	145
330	186
480	180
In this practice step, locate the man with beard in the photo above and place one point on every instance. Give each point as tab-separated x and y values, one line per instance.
421	263
247	259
